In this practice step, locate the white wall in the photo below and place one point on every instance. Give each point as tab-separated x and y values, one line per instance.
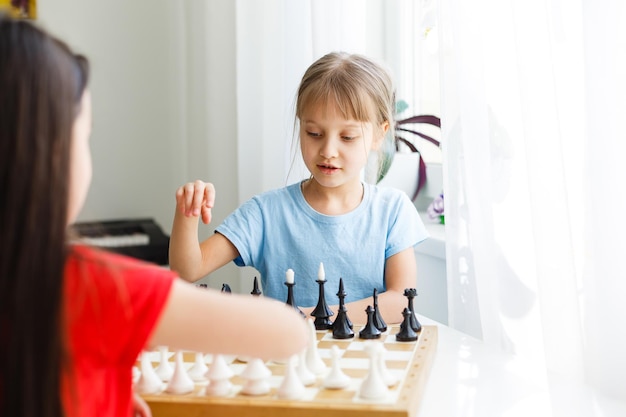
157	124
165	105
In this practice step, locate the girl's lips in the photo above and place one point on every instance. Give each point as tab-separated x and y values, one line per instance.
327	169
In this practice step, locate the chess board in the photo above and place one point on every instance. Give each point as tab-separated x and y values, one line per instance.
409	361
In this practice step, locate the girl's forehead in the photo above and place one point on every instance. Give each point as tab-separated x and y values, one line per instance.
335	108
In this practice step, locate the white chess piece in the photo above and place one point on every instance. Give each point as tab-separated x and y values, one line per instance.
180	383
313	360
219	375
321	275
386	376
336	379
149	382
373	387
136	373
165	370
199	369
306	376
291	388
256	375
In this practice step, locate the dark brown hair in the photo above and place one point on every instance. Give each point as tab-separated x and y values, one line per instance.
41	85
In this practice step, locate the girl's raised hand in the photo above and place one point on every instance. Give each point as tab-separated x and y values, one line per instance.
196	199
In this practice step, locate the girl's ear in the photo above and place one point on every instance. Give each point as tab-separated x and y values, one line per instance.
379	139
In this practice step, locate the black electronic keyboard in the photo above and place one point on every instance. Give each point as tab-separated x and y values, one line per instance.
140	238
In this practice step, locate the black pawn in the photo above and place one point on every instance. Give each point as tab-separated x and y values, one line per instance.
322	312
290	298
406	333
369	331
410	294
255	289
226	288
202	286
378	318
342	327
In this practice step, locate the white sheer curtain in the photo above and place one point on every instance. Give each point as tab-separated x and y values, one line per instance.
533	96
276	41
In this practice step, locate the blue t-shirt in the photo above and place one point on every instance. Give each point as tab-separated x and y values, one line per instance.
278	230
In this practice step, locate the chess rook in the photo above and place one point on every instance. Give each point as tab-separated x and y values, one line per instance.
410	294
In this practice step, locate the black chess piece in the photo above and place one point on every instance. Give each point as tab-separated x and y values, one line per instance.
369	331
322	312
255	289
410	294
378	318
341	294
226	288
406	333
342	327
202	286
291	299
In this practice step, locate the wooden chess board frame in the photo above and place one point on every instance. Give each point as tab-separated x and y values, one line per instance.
403	401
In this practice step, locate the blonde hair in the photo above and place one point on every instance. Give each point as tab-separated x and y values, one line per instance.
360	88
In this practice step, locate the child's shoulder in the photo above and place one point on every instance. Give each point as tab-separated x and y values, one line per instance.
92	269
387	194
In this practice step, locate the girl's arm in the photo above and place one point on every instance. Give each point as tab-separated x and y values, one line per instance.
400	273
206	320
187	256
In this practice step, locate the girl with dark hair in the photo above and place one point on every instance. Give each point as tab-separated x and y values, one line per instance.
74	319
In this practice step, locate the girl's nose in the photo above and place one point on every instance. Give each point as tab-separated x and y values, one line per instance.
328	149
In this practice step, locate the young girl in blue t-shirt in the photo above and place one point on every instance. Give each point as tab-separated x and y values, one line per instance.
360	232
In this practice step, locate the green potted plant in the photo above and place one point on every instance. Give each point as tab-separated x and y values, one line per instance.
405	137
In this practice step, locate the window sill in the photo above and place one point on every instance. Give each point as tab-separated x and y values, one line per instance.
435	245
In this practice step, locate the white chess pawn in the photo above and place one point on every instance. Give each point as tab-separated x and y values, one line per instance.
373	387
306	376
219	375
291	387
256	375
313	360
149	382
165	369
386	376
336	379
180	383
199	369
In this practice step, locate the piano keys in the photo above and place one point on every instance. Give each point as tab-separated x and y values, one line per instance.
139	238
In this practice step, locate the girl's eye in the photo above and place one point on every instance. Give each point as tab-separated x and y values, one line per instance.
348	138
313	134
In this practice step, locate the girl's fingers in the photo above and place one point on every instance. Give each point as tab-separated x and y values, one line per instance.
206	215
199	188
209	195
196	199
188	200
